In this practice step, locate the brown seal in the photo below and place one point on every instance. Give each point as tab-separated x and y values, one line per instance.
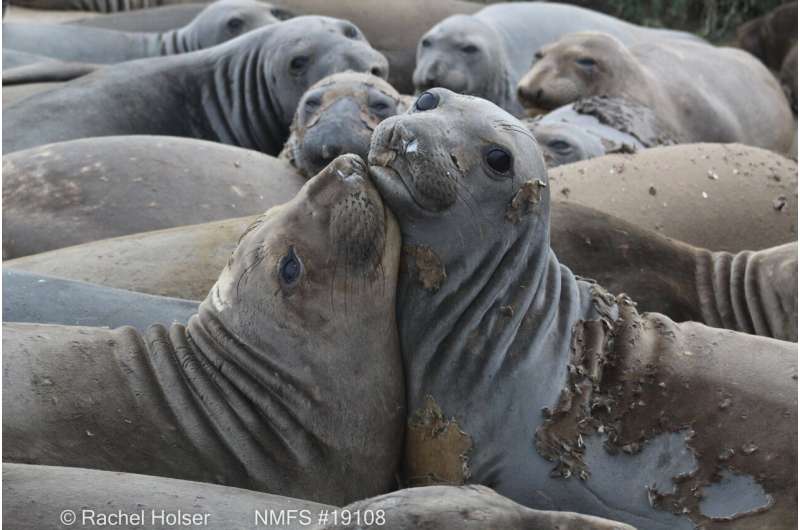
689	85
289	372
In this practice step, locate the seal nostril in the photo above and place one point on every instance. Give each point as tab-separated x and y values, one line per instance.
376	71
539	94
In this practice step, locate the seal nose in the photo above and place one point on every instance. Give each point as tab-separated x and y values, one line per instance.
526	95
378	71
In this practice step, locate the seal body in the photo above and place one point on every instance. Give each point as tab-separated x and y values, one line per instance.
549	368
245	394
34	496
196	86
486	54
84	190
770	37
43	299
688	85
218	22
719	197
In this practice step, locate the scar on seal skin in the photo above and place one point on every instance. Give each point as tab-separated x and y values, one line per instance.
430	270
436	448
529	194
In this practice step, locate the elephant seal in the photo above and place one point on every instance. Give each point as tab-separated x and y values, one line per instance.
45	71
219	22
15	93
465	508
720	197
337	115
486	54
545	387
597	126
746	291
788	77
688	85
35	497
154	19
47	300
74	192
205	89
771	36
289	372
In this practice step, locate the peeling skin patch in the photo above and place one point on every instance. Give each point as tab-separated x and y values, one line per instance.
733	496
436	448
528	196
430	270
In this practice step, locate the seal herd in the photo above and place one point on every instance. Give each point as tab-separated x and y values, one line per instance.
404	264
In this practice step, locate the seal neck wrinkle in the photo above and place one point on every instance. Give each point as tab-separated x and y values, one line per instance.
236	404
175	41
239	107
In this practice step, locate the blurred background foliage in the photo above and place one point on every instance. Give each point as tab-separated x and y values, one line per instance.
716	20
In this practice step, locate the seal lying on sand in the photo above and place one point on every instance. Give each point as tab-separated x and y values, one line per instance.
337	115
464	508
770	37
219	22
703	93
31	297
35	496
74	192
597	126
288	380
202	94
684	282
487	53
546	388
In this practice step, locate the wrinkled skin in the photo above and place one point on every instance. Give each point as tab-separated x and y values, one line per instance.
545	387
220	22
465	508
701	93
337	115
277	63
289	367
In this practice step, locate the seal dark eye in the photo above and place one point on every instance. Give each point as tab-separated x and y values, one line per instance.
427	101
499	160
586	62
379	106
281	14
470	49
290	268
559	145
312	103
426	43
235	24
298	64
350	32
538	55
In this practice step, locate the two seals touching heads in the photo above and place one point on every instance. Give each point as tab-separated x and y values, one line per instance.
288	380
337	115
701	93
545	387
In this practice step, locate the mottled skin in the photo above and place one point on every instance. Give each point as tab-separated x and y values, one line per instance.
219	22
34	497
486	54
518	372
337	115
74	192
703	93
31	297
465	508
201	94
770	37
289	373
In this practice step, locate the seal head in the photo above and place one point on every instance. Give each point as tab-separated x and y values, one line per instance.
337	115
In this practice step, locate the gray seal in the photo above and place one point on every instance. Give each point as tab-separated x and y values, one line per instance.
277	63
597	126
288	380
34	497
686	84
31	297
74	192
545	387
219	22
487	53
337	115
